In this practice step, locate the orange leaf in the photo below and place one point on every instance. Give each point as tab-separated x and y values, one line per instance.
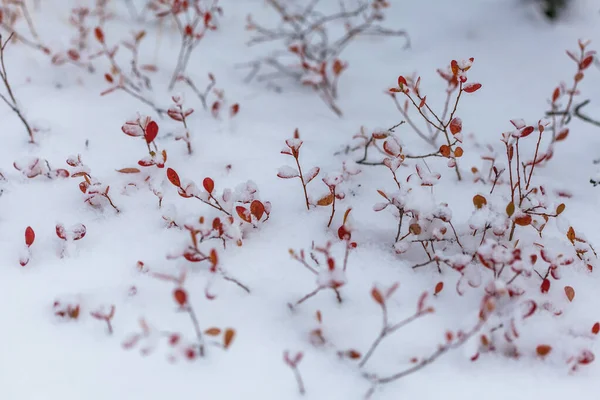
560	209
244	214
445	150
570	292
455	126
458	152
596	328
524	220
479	201
562	135
326	200
571	235
439	287
212	332
543	350
376	294
257	209
128	170
228	337
99	34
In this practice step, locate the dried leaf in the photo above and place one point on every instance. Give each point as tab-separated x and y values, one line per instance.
326	200
570	292
228	337
129	170
212	332
479	201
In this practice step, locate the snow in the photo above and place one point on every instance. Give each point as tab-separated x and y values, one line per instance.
519	58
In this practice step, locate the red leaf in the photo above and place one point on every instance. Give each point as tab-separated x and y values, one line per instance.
151	131
209	185
527	131
402	81
99	34
562	135
472	87
596	328
235	109
61	232
29	236
545	287
555	94
438	288
180	296
423	101
173	177
543	350
586	62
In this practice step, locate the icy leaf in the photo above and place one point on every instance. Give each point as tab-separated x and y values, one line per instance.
244	214
132	128
455	126
518	123
311	174
61	231
287	172
257	209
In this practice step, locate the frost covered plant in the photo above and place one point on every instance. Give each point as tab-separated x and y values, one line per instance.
13	11
9	97
293	362
193	19
329	271
177	113
69	236
332	181
179	345
105	315
310	50
34	167
212	98
96	193
144	127
132	82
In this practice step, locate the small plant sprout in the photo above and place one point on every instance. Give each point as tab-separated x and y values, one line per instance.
329	273
286	172
192	349
96	193
293	362
29	239
178	113
69	237
106	316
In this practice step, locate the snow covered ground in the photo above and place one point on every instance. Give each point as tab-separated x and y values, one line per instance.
519	58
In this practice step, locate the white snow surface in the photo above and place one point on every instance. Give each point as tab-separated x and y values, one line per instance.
519	59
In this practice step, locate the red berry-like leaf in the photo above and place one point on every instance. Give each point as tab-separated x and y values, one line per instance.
180	296
151	132
99	34
29	236
545	287
543	350
209	185
472	87
173	177
596	328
